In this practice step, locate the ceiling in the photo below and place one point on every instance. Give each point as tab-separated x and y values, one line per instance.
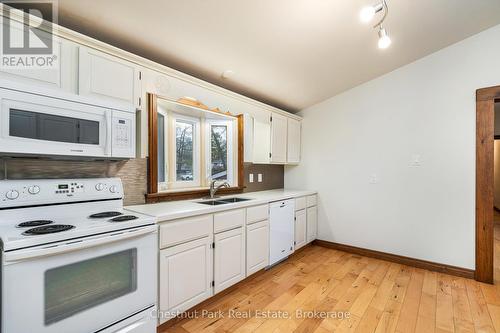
288	53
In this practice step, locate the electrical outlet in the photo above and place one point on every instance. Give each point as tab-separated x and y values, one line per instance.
259	178
250	178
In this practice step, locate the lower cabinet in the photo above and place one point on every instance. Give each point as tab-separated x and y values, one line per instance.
185	276
257	246
300	229
312	223
229	258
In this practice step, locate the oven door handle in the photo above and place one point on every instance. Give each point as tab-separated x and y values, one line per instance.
75	245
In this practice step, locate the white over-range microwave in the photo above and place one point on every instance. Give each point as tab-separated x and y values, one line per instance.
33	124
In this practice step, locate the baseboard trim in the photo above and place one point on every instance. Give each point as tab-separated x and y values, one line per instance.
429	265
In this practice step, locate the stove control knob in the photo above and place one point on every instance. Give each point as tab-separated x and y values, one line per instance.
34	189
113	189
12	194
99	186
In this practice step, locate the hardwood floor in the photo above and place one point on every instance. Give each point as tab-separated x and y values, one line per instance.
379	296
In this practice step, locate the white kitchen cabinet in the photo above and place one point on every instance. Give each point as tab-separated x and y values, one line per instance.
261	140
293	141
257	246
186	275
107	77
278	138
300	229
312	223
58	76
228	220
229	258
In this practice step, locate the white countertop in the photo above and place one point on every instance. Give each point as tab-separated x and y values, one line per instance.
170	210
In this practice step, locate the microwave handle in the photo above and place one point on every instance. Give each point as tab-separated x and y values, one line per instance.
109	119
77	244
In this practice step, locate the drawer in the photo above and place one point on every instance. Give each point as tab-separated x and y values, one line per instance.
312	200
257	213
229	220
185	230
300	203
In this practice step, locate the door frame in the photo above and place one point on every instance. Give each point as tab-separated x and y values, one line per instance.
485	129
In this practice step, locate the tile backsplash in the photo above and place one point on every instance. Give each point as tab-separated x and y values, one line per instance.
132	172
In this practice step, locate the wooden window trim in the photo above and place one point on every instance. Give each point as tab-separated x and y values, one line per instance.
485	128
152	194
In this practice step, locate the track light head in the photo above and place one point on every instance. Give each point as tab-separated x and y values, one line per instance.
384	41
368	13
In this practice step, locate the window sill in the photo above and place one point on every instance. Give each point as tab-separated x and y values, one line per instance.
186	194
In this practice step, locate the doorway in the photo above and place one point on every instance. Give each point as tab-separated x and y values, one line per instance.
486	99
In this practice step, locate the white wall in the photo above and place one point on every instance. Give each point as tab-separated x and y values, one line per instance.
426	108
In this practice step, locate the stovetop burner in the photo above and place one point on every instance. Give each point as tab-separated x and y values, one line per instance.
48	229
104	214
123	218
34	223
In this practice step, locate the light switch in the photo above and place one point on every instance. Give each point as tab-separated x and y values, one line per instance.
259	178
373	179
416	160
250	178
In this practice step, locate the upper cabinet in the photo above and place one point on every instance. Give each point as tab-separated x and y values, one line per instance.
104	76
272	138
61	75
278	138
261	142
293	144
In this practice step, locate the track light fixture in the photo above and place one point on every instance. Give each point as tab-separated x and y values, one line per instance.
368	13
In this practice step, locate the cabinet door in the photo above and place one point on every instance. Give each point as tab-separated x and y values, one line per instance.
312	223
257	246
107	77
261	140
49	76
293	152
300	229
278	138
185	275
229	257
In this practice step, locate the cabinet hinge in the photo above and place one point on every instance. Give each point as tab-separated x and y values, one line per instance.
213	283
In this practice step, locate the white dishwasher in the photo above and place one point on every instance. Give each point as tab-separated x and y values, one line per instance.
281	218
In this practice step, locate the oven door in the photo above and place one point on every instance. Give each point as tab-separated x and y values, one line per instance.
34	124
82	285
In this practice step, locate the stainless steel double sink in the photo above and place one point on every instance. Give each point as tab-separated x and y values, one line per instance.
217	202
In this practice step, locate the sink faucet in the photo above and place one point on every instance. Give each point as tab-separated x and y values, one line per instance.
214	189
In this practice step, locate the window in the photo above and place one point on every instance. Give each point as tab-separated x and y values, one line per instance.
193	148
220	150
185	151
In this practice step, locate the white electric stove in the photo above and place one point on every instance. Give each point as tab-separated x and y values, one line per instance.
89	264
